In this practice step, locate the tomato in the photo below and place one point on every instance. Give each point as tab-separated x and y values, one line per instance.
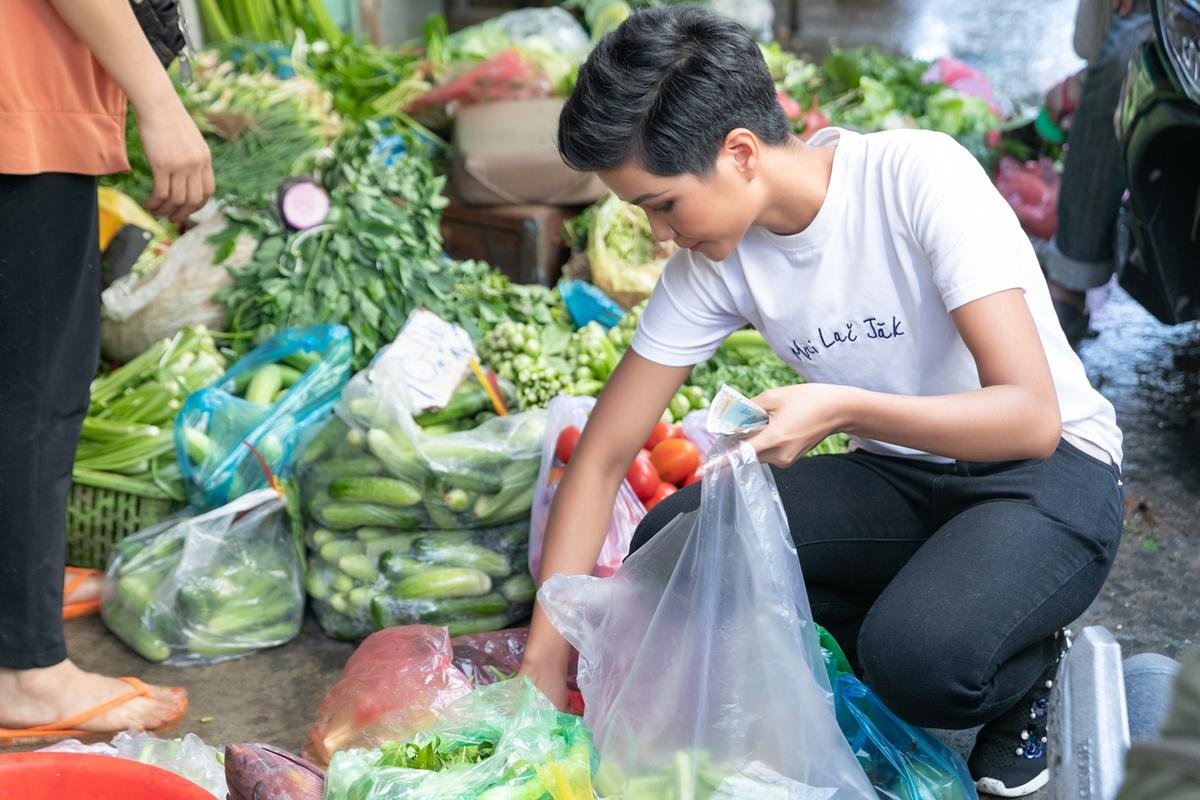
663	491
555	475
695	477
663	430
675	459
567	441
642	478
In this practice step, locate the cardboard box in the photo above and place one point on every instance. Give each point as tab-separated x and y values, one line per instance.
525	242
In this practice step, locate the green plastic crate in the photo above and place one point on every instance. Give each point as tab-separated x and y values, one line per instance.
97	519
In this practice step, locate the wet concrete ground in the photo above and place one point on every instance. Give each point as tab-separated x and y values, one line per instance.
1150	372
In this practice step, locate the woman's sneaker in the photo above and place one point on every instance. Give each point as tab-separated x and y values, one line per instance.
1009	756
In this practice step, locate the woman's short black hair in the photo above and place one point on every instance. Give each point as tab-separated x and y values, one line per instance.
665	89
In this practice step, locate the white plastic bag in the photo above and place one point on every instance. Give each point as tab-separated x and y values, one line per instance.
699	663
628	511
188	757
138	310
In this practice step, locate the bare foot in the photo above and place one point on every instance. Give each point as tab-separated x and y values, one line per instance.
44	696
89	588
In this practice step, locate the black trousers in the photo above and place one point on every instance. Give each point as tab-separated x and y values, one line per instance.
49	347
945	583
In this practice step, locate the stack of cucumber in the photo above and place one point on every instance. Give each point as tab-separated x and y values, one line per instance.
204	588
407	527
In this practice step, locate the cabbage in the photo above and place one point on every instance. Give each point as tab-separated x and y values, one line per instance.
625	259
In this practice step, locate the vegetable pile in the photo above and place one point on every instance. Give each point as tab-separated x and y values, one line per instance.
127	443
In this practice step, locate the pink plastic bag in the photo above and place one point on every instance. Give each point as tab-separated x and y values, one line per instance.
395	684
504	76
627	510
1031	188
962	78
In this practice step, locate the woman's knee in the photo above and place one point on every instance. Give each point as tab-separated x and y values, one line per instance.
925	673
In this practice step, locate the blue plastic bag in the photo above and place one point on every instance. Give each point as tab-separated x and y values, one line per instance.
904	762
215	426
587	303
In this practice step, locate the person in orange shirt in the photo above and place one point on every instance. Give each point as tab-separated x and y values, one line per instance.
67	70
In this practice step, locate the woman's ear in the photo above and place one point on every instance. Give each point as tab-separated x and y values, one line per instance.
743	149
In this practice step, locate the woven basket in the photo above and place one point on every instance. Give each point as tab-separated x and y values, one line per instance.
99	518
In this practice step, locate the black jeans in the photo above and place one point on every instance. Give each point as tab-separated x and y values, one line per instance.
945	583
49	346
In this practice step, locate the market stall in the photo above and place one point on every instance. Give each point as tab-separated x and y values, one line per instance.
317	396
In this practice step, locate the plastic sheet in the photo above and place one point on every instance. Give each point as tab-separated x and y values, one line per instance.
627	510
188	757
396	683
535	751
229	468
207	588
682	653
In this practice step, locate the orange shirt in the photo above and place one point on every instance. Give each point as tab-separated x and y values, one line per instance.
59	110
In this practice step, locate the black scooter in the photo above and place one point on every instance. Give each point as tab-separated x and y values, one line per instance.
1158	125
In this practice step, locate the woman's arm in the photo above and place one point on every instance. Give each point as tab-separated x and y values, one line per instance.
1014	415
178	156
631	403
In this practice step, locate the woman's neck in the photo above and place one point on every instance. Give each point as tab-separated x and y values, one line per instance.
797	181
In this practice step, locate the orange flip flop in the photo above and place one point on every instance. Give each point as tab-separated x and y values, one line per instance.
79	608
41	735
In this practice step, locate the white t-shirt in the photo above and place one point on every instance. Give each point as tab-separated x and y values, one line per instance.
911	228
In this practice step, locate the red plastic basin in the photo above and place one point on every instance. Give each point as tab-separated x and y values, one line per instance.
84	776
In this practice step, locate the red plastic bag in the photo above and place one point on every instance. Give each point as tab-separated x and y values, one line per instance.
395	684
504	76
1031	188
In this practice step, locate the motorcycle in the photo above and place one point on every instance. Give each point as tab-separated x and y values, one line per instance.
1158	124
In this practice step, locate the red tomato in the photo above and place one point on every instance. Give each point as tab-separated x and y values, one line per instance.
565	446
642	478
695	477
555	475
675	459
663	430
663	491
644	453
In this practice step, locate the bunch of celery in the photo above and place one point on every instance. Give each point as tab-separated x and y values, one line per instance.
127	442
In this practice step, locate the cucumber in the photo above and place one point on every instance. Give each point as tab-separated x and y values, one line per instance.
348	467
368	533
473	481
302	360
384	491
465	627
439	512
452	453
129	629
398	567
433	551
402	460
445	582
468	400
389	611
343	516
269	636
457	500
326	438
322	536
318	585
519	589
340	603
289	376
342	583
399	543
333	551
360	599
265	384
359	566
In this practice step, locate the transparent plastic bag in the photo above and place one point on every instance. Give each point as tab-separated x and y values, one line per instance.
550	27
628	511
681	654
535	751
188	757
902	761
395	684
216	428
207	588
